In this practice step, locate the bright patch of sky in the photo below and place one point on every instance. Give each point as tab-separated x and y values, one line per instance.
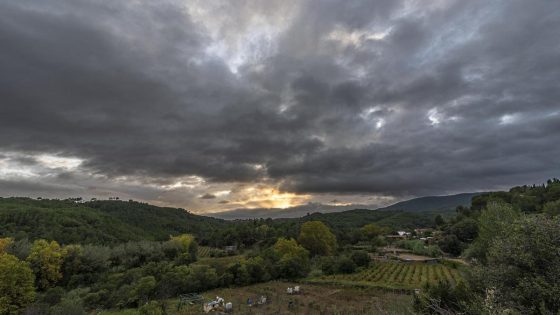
509	119
54	161
14	165
242	41
356	37
434	117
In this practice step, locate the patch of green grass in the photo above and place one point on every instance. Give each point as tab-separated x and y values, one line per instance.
121	312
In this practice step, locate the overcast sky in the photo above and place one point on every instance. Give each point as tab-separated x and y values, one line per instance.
216	105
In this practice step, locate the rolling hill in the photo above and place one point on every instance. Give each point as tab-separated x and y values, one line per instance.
432	203
98	222
111	222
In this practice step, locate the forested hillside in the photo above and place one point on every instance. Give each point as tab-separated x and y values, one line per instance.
100	222
111	222
433	203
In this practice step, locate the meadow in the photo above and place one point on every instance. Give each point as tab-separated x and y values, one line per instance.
314	299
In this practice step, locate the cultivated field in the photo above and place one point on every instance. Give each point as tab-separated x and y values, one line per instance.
314	299
395	275
204	251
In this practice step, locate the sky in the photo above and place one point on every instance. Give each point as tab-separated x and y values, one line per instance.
218	105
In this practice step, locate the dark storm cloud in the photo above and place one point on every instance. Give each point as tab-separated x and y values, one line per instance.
387	97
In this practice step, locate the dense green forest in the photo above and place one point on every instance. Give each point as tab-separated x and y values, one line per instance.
112	222
98	222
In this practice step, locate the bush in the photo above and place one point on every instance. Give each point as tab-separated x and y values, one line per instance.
53	296
443	298
361	258
417	247
144	289
345	265
328	265
292	267
152	308
466	230
451	245
71	304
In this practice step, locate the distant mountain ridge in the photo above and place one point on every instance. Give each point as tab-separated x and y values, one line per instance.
433	202
420	204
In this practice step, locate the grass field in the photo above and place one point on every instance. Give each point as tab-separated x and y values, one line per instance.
314	299
395	275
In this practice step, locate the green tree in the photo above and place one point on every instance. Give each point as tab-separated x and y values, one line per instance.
5	243
186	247
466	230
522	266
294	258
345	264
317	238
144	289
152	308
439	221
451	245
46	261
442	298
552	208
16	285
290	247
361	258
371	231
70	304
73	262
495	218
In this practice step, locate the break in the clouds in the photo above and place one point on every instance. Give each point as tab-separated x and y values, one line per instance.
215	105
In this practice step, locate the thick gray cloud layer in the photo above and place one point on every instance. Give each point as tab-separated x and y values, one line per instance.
394	98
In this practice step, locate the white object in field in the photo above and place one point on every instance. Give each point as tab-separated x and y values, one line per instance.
207	308
220	300
262	300
290	290
229	306
296	289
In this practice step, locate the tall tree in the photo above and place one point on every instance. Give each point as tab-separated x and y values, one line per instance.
371	231
495	218
522	266
16	285
186	247
294	258
4	243
46	260
317	238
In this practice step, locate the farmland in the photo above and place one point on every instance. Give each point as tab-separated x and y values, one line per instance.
314	299
204	251
394	275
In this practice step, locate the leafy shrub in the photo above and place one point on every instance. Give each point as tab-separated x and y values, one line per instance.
152	308
443	298
361	258
345	265
328	265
